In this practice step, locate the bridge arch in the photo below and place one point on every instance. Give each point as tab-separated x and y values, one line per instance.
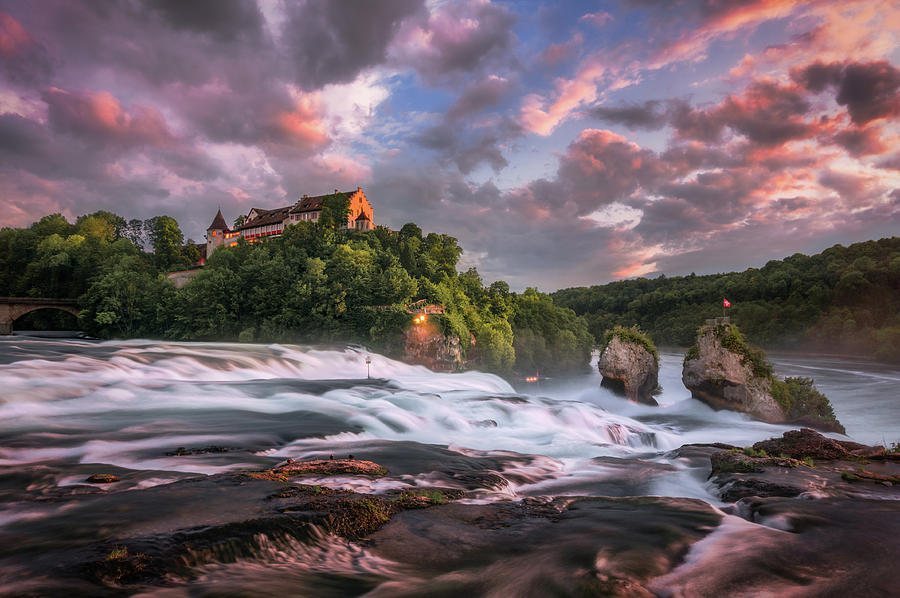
13	308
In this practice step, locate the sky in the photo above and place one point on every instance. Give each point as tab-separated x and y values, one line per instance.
563	143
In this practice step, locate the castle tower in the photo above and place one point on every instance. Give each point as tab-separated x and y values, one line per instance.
215	234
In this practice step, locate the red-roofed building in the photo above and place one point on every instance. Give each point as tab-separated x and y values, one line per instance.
262	224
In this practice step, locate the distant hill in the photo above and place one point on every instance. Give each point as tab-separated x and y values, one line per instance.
843	300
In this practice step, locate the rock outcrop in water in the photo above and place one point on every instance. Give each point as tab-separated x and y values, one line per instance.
805	462
630	365
428	346
842	530
723	371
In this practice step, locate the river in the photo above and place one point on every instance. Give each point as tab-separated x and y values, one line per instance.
72	408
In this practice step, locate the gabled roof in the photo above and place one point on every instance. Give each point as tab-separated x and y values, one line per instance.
266	217
310	204
278	215
218	222
362	216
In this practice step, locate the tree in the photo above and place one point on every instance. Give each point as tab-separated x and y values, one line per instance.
96	228
336	207
54	224
239	221
117	225
166	239
134	232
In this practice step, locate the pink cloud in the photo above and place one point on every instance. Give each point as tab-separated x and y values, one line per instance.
557	53
101	117
599	18
303	126
12	35
692	45
541	115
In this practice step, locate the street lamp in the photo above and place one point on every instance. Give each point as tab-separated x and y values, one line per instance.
368	363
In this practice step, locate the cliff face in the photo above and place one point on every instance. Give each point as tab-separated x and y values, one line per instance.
629	368
726	380
426	345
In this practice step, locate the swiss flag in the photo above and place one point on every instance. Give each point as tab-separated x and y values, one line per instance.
726	302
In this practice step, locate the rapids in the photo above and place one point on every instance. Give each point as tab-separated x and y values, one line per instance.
156	412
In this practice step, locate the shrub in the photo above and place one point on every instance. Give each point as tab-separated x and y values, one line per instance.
799	398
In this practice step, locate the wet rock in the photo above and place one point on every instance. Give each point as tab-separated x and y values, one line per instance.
743	488
152	535
569	546
102	478
739	461
806	463
630	368
182	451
805	443
327	467
836	547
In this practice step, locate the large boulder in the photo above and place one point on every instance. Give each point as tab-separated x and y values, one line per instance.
723	371
630	366
725	377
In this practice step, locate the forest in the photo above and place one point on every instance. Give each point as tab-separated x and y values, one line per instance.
317	283
844	300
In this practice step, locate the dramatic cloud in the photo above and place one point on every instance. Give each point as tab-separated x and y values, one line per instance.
101	118
22	59
562	145
481	94
860	142
458	38
331	42
644	116
869	90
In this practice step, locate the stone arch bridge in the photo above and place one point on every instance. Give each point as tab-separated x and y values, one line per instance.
13	308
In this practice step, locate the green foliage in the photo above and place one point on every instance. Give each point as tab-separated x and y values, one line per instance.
633	335
335	211
166	239
808	461
547	338
845	299
692	353
315	283
117	553
752	452
800	399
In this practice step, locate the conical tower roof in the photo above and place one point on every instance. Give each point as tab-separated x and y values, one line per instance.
218	222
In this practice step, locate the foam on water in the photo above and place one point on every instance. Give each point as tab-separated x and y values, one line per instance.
127	404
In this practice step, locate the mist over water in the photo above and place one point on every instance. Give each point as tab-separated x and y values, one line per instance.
129	403
71	408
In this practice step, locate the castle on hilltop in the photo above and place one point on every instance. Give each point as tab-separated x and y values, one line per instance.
262	224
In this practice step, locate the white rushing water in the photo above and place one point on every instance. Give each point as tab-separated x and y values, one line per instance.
127	404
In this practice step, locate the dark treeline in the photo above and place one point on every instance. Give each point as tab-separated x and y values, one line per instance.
315	283
845	299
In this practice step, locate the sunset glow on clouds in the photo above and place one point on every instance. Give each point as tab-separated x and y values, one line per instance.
561	143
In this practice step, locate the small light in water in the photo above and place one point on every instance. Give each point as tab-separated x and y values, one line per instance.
531	379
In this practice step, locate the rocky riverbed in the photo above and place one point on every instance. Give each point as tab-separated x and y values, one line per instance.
214	470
